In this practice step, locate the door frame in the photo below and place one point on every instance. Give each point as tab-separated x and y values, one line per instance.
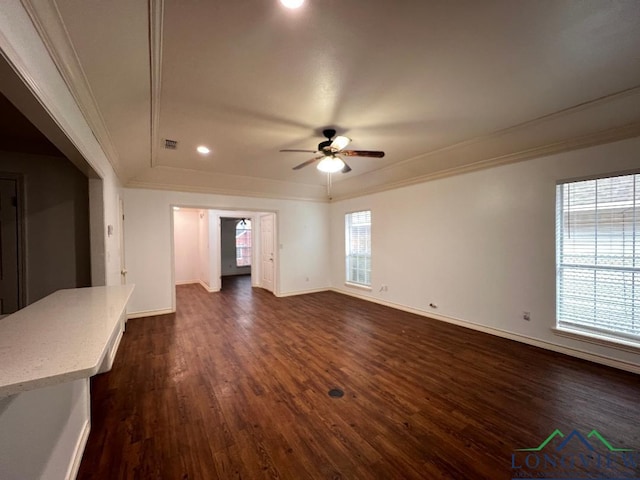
123	263
21	233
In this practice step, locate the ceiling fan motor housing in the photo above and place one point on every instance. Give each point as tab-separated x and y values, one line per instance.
324	146
329	133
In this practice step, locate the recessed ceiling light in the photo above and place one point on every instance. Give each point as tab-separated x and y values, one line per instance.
292	3
203	150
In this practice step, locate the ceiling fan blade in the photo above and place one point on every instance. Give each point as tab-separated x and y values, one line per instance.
340	142
308	162
346	168
362	153
295	150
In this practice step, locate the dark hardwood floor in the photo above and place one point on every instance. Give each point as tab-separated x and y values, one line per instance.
235	385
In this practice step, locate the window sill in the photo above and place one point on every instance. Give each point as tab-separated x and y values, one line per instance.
358	286
598	339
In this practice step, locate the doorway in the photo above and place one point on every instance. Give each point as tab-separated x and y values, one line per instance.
197	247
237	246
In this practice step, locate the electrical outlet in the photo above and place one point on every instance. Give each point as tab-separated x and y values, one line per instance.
526	316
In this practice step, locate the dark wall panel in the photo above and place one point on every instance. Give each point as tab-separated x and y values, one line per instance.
56	222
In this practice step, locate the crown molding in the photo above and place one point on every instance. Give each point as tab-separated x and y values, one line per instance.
156	21
605	136
628	101
219	191
583	141
189	180
171	178
51	29
565	112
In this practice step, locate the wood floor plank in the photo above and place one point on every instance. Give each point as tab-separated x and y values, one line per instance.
235	385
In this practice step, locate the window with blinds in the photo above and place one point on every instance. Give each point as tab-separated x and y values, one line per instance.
597	256
358	247
243	243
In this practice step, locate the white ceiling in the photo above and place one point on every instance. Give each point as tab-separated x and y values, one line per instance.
441	87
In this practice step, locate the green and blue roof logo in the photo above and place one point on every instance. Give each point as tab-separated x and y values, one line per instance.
576	456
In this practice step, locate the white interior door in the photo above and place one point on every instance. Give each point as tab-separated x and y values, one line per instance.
267	251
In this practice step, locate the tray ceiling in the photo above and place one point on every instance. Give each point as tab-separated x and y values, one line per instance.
441	87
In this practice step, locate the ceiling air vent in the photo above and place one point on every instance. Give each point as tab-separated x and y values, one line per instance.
170	144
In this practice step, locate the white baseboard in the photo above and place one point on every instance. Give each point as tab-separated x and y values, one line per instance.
199	282
574	352
208	288
303	292
74	466
150	313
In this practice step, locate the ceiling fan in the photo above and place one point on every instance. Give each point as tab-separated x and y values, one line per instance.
331	150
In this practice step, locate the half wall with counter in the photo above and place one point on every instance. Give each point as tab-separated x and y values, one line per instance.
48	352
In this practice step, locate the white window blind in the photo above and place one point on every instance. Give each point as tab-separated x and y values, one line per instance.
597	255
358	247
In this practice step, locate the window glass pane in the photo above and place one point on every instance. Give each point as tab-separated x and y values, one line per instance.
358	247
243	243
597	255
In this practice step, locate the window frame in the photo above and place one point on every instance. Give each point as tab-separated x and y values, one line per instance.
244	247
349	280
593	332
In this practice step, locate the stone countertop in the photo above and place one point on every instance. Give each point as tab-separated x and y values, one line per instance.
61	338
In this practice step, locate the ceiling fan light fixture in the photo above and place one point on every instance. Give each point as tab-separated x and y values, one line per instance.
340	142
292	3
330	165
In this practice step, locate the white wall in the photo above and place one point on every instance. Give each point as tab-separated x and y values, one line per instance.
204	261
43	432
186	241
111	191
480	245
214	251
301	258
